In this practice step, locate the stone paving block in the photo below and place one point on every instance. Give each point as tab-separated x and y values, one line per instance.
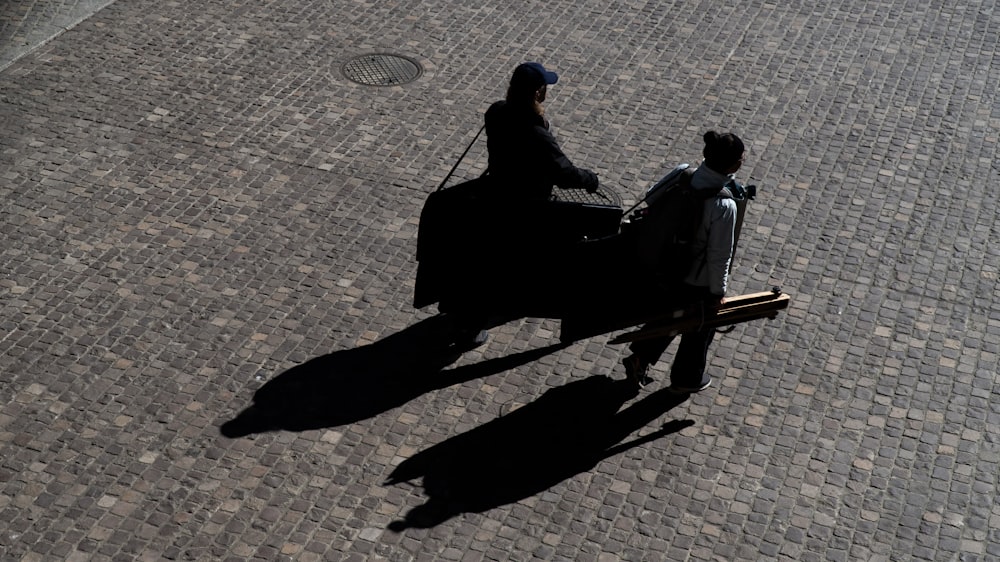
205	221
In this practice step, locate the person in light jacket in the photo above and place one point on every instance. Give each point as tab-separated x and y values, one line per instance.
708	278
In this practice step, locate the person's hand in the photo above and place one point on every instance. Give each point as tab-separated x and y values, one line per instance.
590	183
717	304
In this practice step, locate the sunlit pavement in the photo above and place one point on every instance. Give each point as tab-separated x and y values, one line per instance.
198	204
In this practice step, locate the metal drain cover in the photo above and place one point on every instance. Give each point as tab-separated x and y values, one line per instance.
381	70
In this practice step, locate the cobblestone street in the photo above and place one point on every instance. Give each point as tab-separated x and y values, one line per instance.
208	349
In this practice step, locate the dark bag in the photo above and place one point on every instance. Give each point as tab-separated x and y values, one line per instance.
446	233
450	239
664	232
473	239
577	215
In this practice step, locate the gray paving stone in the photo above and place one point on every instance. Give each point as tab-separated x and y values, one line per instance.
197	205
25	25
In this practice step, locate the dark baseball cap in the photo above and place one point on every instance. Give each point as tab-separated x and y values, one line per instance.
533	74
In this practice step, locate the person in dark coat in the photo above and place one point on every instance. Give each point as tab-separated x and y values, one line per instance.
525	160
519	239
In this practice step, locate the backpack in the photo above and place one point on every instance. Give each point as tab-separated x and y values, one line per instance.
666	230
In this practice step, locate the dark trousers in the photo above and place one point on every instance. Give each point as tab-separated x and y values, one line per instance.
692	352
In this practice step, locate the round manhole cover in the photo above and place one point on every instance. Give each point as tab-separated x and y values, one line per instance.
381	70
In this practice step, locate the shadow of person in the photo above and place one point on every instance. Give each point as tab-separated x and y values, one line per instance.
568	430
355	384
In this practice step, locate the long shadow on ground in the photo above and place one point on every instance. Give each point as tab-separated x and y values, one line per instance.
568	430
355	384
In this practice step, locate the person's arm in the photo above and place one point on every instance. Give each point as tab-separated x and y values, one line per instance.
721	234
562	171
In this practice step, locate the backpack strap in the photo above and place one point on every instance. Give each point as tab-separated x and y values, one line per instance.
460	158
667	183
727	192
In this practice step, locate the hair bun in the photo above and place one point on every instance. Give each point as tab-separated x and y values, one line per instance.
722	151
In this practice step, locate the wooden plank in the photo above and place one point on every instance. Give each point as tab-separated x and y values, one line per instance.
737	310
607	322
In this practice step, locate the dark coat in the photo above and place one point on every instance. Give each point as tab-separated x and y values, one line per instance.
525	160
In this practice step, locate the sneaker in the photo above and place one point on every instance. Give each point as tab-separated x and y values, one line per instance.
471	340
637	370
677	389
480	338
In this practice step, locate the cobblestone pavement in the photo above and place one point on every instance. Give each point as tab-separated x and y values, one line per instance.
197	207
27	24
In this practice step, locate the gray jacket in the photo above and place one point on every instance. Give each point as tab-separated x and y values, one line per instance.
715	239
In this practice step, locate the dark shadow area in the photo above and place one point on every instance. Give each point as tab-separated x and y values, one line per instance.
568	430
472	257
355	384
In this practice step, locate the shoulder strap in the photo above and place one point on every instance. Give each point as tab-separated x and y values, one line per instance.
667	183
726	192
686	175
455	167
723	193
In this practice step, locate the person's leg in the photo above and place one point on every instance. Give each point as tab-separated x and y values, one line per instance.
462	304
644	354
688	373
470	328
650	350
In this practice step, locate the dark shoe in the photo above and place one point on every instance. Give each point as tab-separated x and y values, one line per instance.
480	338
471	340
636	370
676	389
